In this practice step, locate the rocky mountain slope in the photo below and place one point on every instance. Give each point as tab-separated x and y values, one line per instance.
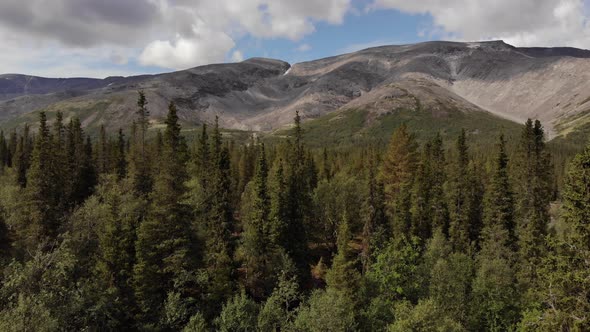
551	84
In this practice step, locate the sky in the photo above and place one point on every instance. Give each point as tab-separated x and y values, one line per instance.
90	38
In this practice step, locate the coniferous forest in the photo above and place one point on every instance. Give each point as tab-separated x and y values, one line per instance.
152	230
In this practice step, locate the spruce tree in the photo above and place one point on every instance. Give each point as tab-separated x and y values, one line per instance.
39	192
278	210
397	173
12	143
140	170
258	243
298	204
429	209
499	199
103	162
120	159
494	292
376	228
22	157
163	244
565	284
219	222
533	185
3	152
343	275
464	197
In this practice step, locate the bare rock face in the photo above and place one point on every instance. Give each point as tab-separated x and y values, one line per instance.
551	84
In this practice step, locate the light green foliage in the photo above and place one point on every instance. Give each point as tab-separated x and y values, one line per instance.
450	286
341	195
238	314
329	310
343	276
393	276
197	323
43	291
277	312
426	316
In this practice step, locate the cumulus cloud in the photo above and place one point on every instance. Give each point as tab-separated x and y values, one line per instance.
203	46
519	22
165	33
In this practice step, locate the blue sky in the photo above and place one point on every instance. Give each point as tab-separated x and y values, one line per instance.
358	31
65	38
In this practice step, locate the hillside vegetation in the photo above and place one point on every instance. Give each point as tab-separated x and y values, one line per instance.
332	225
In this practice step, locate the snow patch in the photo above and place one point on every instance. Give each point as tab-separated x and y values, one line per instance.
288	70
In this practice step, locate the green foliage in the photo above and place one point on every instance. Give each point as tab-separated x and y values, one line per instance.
158	232
238	314
425	316
326	311
393	276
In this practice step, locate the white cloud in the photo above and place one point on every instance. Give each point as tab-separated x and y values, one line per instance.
303	48
204	46
170	34
237	56
519	22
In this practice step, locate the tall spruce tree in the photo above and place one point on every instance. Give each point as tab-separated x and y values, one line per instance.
495	295
163	245
397	173
343	276
140	170
43	224
533	186
298	204
120	156
376	228
565	284
463	199
429	209
259	246
22	156
219	222
499	198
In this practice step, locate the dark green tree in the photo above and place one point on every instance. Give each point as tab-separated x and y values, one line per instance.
499	198
397	173
464	196
163	246
533	186
140	170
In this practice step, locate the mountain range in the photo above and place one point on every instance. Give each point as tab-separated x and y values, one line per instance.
479	85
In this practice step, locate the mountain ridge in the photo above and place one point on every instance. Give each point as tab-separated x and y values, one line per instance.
262	94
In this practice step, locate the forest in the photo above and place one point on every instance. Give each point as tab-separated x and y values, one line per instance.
155	230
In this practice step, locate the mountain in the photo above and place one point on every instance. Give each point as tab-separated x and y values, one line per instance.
488	81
